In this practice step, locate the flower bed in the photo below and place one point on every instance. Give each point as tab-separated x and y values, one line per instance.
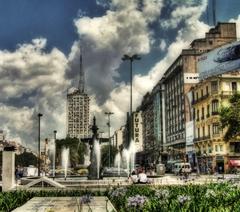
211	197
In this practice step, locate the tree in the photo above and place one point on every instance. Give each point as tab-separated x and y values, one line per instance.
26	159
230	118
77	150
105	155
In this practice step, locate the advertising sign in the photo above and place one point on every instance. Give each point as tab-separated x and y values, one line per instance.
219	60
189	132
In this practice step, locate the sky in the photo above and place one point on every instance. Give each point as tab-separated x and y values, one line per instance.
40	44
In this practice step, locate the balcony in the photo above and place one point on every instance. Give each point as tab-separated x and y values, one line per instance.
226	93
201	138
200	99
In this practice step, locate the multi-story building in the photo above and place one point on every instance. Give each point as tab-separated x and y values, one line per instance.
78	110
213	152
148	128
77	114
178	80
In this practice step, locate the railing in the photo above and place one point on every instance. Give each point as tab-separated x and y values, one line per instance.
201	138
200	99
227	93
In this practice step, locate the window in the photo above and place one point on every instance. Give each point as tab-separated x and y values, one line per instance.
221	148
198	130
208	110
215	128
216	148
197	115
203	130
214	86
202	113
209	127
207	90
197	96
201	92
209	149
234	87
215	105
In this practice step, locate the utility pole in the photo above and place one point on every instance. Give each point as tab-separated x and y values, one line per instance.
109	136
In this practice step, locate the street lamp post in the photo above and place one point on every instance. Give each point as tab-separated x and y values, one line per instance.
131	59
39	145
54	154
109	132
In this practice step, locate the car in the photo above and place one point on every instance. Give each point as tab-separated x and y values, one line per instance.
182	167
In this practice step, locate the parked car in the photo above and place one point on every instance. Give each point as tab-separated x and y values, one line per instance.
182	167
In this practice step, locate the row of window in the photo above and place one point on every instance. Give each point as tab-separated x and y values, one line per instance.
215	105
203	133
214	88
218	148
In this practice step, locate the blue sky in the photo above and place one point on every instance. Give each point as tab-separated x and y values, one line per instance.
40	43
23	20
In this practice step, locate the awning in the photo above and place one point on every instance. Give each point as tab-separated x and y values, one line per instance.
234	163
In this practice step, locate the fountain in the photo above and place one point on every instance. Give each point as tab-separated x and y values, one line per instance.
94	167
117	162
65	160
128	157
132	155
52	152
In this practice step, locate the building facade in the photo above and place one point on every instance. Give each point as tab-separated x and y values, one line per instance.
214	154
178	81
77	114
147	108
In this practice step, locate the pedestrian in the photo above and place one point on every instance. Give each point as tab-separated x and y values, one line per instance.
134	177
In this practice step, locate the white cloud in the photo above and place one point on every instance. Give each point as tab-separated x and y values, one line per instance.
184	12
118	101
32	81
163	45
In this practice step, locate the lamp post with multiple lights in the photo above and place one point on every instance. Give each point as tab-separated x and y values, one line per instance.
109	136
39	145
131	59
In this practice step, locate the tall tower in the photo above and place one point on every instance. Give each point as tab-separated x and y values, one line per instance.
78	109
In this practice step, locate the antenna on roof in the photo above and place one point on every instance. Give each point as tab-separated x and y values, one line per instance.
214	11
81	79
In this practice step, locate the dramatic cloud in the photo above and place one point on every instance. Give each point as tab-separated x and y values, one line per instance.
32	81
119	97
123	30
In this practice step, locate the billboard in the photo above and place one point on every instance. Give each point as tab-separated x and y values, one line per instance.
220	60
189	132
